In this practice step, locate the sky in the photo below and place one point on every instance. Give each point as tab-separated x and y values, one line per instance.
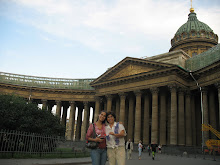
82	38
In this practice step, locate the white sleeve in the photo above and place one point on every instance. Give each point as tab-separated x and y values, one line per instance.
121	127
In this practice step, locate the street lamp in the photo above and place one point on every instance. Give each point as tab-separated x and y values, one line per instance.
200	89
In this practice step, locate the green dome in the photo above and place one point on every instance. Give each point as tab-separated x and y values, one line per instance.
193	24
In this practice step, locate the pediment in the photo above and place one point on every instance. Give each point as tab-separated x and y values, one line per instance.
129	67
129	70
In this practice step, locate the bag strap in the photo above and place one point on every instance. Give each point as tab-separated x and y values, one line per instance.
94	133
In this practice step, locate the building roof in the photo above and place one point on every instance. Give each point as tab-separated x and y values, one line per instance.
193	24
204	59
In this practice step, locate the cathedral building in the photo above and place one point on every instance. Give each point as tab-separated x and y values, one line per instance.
163	98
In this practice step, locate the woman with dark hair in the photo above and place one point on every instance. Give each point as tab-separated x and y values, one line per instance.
115	133
98	155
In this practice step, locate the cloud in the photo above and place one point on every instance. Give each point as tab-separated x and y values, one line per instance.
106	25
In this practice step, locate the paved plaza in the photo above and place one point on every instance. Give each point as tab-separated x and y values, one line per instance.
160	159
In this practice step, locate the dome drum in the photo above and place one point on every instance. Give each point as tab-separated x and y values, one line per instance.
193	34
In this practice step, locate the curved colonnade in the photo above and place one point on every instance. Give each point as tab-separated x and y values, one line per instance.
165	110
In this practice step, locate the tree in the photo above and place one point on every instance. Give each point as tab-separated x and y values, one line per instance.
17	114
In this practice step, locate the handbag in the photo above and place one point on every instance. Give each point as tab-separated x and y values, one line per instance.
92	144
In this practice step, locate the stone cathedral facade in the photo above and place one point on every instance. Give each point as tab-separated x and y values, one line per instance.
159	98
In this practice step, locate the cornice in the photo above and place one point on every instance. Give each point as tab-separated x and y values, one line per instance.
47	90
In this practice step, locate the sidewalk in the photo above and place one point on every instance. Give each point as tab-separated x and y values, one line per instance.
145	159
66	161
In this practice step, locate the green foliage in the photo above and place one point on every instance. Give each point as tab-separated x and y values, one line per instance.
17	114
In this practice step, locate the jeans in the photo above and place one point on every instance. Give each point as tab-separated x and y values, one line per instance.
139	150
99	156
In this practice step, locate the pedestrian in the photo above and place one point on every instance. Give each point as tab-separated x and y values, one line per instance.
148	149
143	147
115	133
140	147
153	149
99	154
159	149
129	148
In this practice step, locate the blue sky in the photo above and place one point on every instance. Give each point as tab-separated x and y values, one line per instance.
82	39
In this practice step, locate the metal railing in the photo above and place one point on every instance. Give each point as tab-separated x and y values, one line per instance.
45	82
16	143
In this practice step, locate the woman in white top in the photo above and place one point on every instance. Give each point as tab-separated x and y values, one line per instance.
115	133
140	146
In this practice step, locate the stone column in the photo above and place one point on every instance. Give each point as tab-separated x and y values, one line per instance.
117	109
163	115
193	110
84	123
130	118
70	133
146	127
79	124
44	104
205	112
97	108
122	107
154	128
168	119
137	131
181	118
58	109
212	112
218	86
173	114
188	120
65	107
109	103
88	117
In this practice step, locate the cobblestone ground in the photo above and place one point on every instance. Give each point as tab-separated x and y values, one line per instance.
160	159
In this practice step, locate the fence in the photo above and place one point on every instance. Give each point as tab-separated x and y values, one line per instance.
14	143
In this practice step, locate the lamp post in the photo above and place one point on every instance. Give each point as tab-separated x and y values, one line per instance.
200	89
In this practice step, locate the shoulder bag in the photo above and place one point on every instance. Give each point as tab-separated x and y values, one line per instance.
92	144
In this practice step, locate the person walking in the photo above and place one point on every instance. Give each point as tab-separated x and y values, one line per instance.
153	149
98	155
149	150
115	133
129	148
140	147
159	149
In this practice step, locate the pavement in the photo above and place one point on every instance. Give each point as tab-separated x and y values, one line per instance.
145	159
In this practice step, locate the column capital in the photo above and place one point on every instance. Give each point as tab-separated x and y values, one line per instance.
217	84
109	96
58	101
137	92
172	87
181	89
72	103
154	90
97	98
122	95
204	90
85	103
188	92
